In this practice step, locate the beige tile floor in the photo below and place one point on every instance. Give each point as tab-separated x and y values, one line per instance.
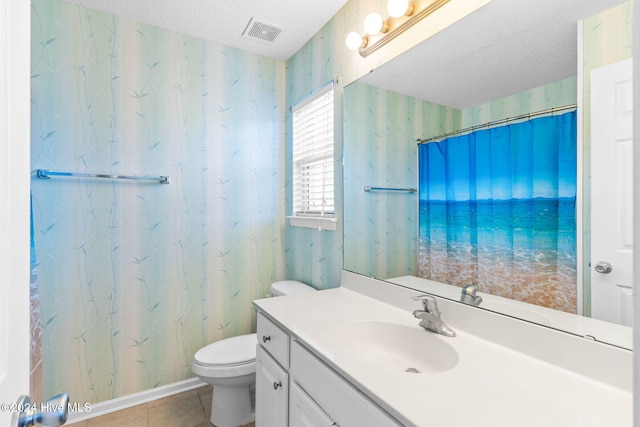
188	409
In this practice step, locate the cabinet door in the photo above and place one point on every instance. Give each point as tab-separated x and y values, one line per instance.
272	392
304	412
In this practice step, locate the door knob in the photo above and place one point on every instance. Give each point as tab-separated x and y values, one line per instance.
603	267
51	413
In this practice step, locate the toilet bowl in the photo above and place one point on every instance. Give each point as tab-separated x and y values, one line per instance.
229	365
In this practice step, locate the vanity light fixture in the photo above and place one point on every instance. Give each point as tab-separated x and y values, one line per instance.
398	8
355	41
403	14
374	24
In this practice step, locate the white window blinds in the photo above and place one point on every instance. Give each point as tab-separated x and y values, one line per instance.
313	184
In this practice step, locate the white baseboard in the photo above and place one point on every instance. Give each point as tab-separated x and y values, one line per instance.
124	402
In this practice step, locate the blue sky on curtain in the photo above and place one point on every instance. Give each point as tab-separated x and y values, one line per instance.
497	208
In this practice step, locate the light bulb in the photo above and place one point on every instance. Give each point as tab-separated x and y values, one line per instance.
354	40
398	8
373	24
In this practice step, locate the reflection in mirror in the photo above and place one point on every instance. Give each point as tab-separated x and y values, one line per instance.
466	76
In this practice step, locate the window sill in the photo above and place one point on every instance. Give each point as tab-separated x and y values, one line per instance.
318	222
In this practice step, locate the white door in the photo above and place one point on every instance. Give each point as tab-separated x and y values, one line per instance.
14	198
612	193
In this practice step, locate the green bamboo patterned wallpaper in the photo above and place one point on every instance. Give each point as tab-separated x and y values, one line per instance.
316	256
380	131
134	278
557	94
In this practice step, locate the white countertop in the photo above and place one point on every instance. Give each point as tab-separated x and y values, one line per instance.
491	385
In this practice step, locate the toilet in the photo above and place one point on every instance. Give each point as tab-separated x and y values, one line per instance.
229	365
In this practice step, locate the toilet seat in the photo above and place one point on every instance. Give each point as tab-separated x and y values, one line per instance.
230	351
227	358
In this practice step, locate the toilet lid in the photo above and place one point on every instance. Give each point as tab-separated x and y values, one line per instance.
229	351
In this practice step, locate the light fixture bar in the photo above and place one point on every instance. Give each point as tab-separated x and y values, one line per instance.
397	26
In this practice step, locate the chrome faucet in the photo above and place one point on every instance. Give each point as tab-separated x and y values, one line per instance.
430	318
469	295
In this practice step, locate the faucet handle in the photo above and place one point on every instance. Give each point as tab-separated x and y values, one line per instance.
428	302
469	295
470	290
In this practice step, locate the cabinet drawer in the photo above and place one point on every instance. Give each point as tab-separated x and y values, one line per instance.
339	399
274	340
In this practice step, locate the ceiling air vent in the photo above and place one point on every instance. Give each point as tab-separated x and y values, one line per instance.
257	29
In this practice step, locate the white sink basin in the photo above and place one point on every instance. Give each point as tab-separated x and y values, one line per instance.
397	347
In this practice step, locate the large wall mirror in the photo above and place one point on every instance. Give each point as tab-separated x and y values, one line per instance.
508	59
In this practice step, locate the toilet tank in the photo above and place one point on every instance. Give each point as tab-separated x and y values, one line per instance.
290	287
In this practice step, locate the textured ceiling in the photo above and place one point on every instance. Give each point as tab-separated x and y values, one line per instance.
505	47
224	21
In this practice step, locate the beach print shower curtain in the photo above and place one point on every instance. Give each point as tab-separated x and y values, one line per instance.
497	208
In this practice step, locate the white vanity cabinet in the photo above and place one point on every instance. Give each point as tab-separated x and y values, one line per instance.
295	388
337	377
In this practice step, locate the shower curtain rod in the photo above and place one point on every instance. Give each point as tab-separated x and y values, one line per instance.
46	174
496	122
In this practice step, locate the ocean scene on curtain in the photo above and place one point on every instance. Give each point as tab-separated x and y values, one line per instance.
497	208
35	351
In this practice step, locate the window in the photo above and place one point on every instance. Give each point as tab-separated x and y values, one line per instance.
313	171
